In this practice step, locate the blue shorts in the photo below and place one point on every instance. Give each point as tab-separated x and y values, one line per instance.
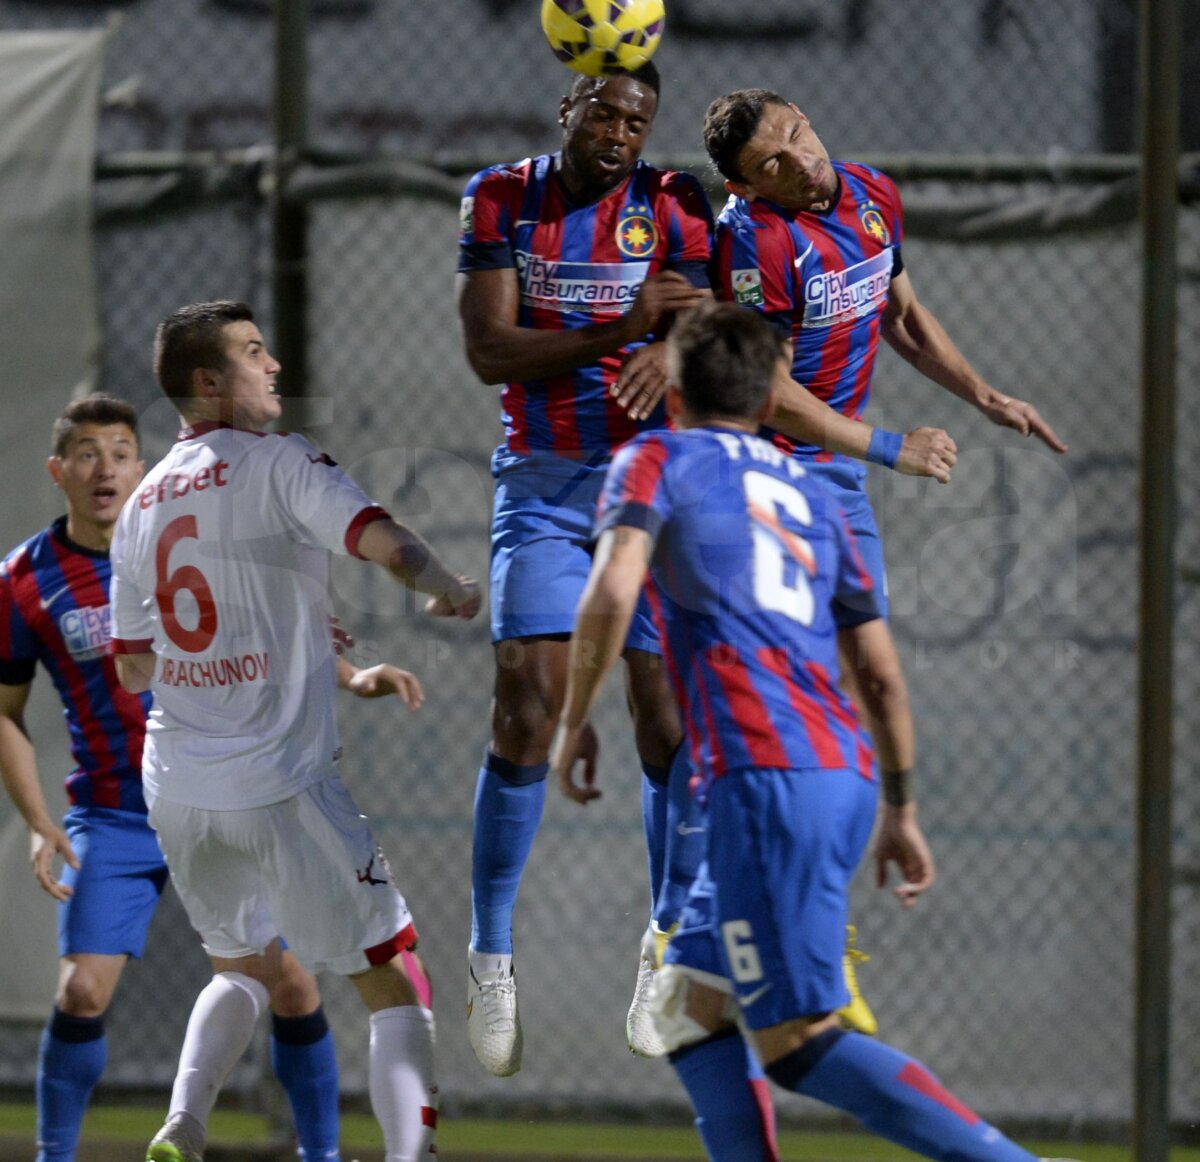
768	911
542	520
120	879
846	479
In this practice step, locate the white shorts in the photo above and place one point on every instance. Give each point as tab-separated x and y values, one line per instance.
307	869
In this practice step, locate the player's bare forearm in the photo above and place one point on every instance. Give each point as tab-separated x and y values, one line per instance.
135	671
18	770
602	621
501	351
918	338
410	559
800	416
870	651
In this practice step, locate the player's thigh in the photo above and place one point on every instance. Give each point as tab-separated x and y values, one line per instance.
116	887
330	889
783	847
215	859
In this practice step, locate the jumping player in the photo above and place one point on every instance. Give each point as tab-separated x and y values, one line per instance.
54	608
568	263
755	576
220	607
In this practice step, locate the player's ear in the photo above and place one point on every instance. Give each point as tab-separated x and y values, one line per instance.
55	468
768	408
739	190
564	110
205	383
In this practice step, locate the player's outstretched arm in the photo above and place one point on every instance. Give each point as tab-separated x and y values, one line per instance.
915	334
18	769
601	626
411	561
800	416
500	351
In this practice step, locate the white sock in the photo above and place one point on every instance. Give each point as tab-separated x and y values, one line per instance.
404	1095
218	1033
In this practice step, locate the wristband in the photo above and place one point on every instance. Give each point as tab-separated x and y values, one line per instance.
884	447
897	788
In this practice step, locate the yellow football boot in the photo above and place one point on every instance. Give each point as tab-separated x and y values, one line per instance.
857	1015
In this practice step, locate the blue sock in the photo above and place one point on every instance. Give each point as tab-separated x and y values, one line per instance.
72	1056
654	824
304	1061
735	1122
893	1095
508	808
687	842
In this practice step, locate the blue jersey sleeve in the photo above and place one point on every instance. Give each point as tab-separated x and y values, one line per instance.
633	491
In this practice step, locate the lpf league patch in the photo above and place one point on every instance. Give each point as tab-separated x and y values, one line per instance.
637	236
86	632
466	216
747	288
873	223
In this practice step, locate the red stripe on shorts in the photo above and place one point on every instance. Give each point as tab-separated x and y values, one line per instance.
390	949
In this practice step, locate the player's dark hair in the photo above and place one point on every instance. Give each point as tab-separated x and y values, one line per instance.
191	338
724	358
100	409
730	123
646	74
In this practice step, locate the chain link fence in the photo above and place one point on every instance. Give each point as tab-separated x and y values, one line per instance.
1013	589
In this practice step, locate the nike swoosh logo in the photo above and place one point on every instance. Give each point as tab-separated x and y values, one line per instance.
800	261
684	829
49	601
526	221
757	995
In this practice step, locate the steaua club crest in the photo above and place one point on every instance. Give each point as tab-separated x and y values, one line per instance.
874	224
637	236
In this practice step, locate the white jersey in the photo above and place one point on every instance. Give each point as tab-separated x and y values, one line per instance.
221	566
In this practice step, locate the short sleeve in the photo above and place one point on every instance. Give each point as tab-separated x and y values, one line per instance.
634	492
132	624
321	506
689	227
485	220
18	643
753	267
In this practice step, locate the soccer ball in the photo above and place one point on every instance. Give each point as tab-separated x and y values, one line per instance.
596	37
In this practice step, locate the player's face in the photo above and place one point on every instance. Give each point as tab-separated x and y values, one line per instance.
246	385
785	162
97	473
604	131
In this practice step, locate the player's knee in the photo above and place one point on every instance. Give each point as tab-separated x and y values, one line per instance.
295	994
523	725
669	1010
82	994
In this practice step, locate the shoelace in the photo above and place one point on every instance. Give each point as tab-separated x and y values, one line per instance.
493	996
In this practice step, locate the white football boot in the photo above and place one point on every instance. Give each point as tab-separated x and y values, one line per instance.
493	1019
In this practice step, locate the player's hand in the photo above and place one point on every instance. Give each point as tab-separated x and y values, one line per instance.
44	845
901	841
381	680
642	381
463	601
573	745
661	294
927	452
1022	417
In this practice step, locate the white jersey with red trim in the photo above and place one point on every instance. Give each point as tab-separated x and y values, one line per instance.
221	567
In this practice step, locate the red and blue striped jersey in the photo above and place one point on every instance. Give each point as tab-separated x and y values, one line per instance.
823	277
578	265
54	608
754	571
